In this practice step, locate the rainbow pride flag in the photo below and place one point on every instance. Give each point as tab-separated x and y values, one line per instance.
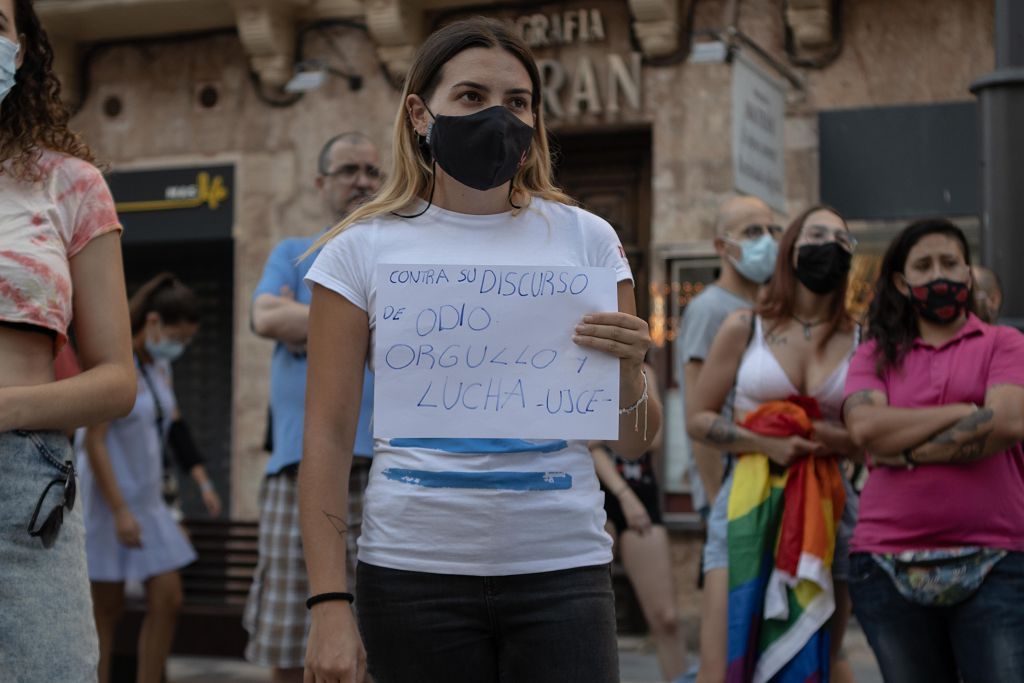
781	539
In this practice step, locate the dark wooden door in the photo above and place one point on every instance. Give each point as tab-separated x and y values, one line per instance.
202	377
609	173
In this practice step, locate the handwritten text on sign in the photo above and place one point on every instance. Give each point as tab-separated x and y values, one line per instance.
487	352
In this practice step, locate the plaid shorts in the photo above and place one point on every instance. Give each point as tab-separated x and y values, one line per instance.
275	613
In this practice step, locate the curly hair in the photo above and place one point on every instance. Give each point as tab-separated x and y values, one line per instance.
32	116
892	321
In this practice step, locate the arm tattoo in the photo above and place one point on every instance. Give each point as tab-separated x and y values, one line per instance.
965	441
337	522
861	398
971	450
722	431
972	423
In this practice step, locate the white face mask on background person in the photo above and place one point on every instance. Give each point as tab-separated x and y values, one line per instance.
165	349
161	347
8	65
757	258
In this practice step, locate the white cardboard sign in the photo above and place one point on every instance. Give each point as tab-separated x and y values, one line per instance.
487	352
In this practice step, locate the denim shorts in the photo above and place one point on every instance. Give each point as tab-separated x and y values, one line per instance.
549	627
716	546
47	632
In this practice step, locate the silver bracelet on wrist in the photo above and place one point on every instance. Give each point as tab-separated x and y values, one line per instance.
635	408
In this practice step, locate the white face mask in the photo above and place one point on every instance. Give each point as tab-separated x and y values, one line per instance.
8	65
757	260
165	349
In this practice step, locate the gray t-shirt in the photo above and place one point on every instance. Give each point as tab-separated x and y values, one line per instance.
701	321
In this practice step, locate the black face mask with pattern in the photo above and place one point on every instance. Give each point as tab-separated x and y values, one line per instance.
482	150
940	301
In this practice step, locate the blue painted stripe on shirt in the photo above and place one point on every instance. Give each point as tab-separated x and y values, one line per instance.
483	445
498	481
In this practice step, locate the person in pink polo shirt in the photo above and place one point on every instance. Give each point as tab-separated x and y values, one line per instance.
936	398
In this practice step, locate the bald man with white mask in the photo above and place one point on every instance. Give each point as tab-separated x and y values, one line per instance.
746	237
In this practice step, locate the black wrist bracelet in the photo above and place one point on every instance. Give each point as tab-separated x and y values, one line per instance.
326	597
907	455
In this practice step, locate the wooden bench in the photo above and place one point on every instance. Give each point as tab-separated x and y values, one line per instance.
215	586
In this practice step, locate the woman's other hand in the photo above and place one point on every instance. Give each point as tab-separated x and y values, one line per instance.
334	650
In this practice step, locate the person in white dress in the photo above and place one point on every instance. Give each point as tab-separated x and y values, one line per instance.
131	533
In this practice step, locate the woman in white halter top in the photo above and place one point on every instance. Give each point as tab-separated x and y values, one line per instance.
798	341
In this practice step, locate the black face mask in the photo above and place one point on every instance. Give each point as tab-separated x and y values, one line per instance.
482	150
940	301
822	268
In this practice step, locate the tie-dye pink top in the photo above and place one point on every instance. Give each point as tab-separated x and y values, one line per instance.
42	226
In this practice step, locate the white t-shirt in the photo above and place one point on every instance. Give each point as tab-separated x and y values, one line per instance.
496	529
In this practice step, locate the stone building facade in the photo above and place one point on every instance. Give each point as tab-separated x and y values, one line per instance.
636	83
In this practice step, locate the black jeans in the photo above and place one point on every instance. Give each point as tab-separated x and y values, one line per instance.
529	628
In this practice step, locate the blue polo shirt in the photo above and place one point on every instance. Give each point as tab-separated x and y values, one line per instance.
288	371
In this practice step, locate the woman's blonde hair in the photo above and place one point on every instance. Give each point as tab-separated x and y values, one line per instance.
411	172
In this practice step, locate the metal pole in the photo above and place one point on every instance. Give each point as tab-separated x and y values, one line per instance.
1001	114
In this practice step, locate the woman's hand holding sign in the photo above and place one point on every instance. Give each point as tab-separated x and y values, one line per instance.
624	335
620	334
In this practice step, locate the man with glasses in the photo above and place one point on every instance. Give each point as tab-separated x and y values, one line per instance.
348	174
746	235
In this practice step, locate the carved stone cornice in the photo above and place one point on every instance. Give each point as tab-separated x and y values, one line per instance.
811	23
397	28
267	30
656	26
265	27
334	9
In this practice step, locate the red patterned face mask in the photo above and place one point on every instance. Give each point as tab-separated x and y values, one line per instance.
940	301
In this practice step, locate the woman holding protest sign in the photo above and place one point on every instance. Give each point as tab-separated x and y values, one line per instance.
477	582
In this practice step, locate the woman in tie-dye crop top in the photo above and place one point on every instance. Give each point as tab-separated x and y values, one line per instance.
43	225
60	261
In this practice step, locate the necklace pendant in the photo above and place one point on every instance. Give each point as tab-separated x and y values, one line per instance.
807	332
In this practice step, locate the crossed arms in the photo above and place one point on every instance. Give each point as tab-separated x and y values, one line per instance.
953	433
